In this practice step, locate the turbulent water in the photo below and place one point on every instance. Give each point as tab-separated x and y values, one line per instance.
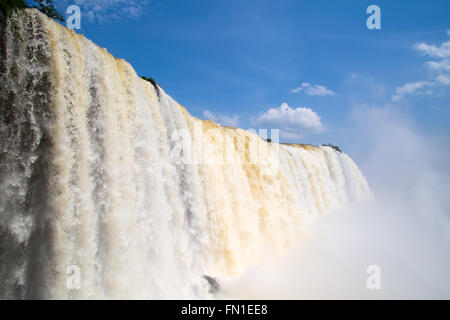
110	189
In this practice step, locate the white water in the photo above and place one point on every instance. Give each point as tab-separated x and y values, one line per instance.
104	172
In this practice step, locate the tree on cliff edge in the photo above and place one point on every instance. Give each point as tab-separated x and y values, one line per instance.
45	6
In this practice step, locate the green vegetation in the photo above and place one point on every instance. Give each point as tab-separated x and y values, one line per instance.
47	7
333	146
153	82
8	7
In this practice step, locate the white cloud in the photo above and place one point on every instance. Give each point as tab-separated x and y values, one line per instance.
439	66
103	11
439	69
410	88
222	119
293	123
313	90
442	51
443	79
209	115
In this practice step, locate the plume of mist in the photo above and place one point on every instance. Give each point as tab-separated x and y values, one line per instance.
404	230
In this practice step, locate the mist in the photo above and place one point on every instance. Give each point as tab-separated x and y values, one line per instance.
404	229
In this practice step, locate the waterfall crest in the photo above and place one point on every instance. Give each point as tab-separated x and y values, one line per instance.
111	189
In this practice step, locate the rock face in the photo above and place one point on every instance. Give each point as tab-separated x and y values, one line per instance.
213	284
111	189
25	100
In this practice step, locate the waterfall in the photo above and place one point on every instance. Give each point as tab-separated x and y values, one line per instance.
111	189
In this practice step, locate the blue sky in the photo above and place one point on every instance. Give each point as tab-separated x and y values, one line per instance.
306	67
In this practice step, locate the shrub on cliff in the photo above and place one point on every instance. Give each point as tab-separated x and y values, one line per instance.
153	82
7	7
333	146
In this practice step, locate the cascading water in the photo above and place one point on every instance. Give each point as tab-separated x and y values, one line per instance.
103	173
